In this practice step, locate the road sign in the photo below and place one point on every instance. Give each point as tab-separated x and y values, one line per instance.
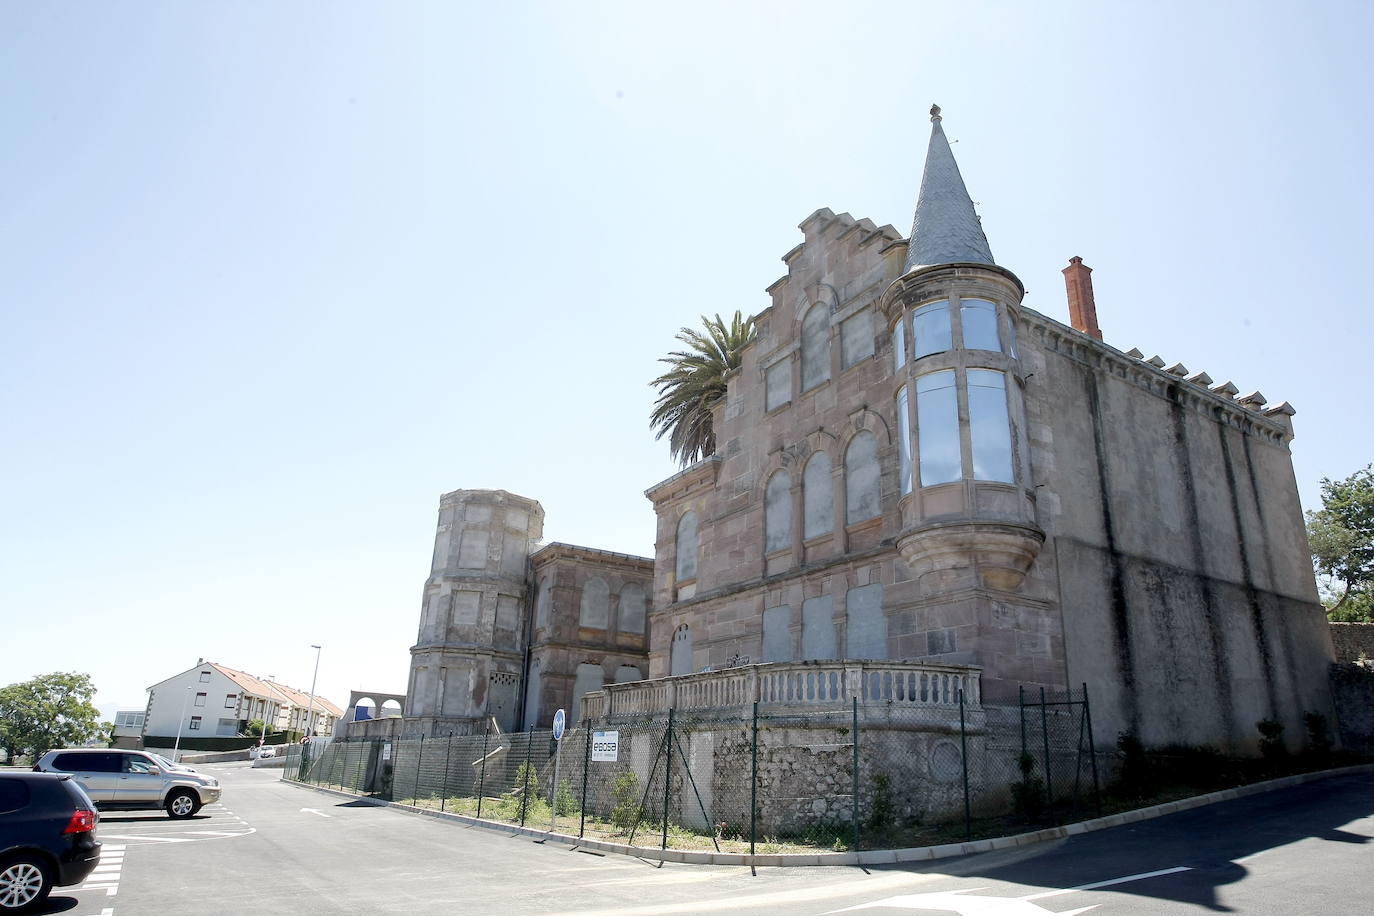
559	723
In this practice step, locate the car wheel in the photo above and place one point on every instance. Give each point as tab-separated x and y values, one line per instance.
182	804
24	882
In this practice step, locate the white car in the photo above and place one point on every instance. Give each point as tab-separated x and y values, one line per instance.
266	750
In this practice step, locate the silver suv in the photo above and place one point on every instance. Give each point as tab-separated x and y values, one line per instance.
131	780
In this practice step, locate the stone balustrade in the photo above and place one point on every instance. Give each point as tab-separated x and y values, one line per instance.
808	684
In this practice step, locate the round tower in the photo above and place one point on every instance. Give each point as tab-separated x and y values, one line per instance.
967	503
466	661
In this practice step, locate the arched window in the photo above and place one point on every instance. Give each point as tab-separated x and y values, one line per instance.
681	659
861	478
818	497
687	547
815	347
589	678
632	608
777	513
596	603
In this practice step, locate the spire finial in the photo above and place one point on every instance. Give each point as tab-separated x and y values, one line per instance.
945	229
934	112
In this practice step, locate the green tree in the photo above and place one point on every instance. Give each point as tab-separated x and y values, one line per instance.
1341	534
52	710
695	383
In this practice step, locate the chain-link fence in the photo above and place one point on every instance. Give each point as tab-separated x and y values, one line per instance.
750	779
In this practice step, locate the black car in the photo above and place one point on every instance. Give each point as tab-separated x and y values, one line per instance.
47	836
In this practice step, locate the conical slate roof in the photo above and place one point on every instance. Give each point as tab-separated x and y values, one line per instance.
946	228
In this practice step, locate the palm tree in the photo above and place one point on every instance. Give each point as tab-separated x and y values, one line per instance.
696	382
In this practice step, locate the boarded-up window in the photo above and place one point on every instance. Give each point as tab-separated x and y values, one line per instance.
472	551
687	547
533	690
596	604
777	384
628	674
856	338
777	513
777	634
589	678
861	478
818	497
465	607
543	603
507	612
866	634
632	608
815	347
818	628
681	659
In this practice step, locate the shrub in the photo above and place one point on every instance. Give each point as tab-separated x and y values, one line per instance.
1318	736
564	802
881	813
1028	792
1271	740
626	793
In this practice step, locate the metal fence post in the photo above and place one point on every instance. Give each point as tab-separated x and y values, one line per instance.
854	777
448	759
963	754
419	759
1045	738
754	783
525	783
668	776
586	769
1021	707
482	780
1092	749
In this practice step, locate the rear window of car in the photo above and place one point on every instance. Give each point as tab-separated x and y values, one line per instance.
14	794
89	763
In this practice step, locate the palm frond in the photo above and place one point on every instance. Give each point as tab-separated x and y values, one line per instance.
695	383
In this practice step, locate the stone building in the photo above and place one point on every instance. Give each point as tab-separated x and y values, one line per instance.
511	631
914	466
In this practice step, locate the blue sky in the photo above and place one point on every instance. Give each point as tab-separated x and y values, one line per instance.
276	276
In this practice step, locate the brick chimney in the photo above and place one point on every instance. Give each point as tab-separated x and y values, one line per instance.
1082	309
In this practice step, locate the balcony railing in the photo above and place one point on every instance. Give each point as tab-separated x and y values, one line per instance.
814	684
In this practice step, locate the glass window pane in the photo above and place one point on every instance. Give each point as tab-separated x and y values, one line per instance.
937	428
930	325
979	319
904	439
899	343
1011	337
988	426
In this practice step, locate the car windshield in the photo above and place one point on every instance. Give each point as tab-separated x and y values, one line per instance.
167	764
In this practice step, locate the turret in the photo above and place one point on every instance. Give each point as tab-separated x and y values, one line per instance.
968	517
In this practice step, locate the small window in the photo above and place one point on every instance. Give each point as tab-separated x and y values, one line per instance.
937	428
14	794
979	320
856	338
89	763
205	677
200	699
899	343
230	700
930	324
195	723
777	381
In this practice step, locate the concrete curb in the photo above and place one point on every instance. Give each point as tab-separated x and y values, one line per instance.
868	857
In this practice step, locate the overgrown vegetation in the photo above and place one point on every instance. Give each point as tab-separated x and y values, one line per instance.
1341	534
1028	792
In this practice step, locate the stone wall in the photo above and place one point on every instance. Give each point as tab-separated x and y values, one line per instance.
1352	641
1352	686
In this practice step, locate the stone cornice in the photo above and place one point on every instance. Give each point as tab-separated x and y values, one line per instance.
561	551
703	472
1064	340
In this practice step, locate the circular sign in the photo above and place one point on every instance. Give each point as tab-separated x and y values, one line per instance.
559	722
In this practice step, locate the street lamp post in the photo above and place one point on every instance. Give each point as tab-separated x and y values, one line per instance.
180	723
310	711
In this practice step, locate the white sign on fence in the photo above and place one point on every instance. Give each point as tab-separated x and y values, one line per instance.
605	747
386	751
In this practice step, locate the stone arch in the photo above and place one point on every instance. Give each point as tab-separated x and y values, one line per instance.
364	708
390	709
